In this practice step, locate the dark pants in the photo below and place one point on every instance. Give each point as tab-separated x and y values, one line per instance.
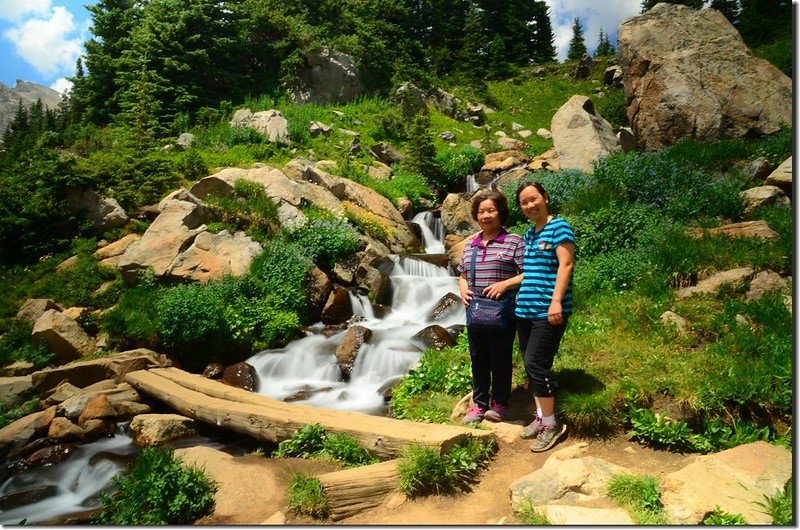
539	343
490	353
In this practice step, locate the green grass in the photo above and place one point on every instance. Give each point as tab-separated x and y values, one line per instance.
306	496
529	515
641	496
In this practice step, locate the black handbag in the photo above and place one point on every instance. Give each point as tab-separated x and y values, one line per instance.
485	312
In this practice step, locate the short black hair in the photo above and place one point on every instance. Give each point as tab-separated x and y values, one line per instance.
499	200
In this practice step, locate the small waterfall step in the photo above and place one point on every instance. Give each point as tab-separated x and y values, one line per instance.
440	260
271	420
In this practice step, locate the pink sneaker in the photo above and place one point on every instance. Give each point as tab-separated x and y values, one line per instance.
475	413
496	413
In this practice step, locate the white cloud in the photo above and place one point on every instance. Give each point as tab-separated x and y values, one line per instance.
594	15
15	10
46	44
62	85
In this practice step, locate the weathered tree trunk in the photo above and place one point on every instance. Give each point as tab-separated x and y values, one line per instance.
353	490
271	420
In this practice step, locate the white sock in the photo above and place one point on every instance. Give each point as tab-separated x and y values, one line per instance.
538	413
549	421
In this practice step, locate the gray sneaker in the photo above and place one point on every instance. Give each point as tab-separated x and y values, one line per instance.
532	429
548	436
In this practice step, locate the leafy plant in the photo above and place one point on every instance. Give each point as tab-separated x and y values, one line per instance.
307	496
457	163
780	506
311	441
720	517
158	490
326	238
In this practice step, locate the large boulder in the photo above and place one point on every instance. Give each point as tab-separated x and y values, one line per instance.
327	77
212	256
104	213
456	213
735	480
33	308
158	429
782	177
688	74
268	123
62	335
172	231
347	350
581	136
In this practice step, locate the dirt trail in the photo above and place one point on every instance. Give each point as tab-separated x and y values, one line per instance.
488	500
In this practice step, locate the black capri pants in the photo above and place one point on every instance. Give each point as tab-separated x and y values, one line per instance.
539	342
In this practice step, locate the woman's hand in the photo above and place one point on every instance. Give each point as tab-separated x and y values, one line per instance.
463	288
495	291
554	315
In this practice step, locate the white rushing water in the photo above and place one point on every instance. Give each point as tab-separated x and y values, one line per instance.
309	365
73	485
432	232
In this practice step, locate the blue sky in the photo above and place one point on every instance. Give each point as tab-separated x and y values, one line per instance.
40	40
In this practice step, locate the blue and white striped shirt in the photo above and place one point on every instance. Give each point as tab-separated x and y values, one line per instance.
540	267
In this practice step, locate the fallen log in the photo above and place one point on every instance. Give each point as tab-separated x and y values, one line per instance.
351	491
271	420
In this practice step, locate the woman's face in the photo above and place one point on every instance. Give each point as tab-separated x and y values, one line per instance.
488	217
533	204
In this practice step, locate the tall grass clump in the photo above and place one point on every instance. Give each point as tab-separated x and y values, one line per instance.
641	495
248	209
457	163
132	323
780	506
158	490
424	471
306	496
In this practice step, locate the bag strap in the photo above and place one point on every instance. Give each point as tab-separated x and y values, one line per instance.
472	267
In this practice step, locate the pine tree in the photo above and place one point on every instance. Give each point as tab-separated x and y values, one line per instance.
544	49
762	21
577	46
604	46
729	8
421	150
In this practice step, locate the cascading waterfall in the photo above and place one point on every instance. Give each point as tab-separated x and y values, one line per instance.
432	232
70	486
306	367
306	370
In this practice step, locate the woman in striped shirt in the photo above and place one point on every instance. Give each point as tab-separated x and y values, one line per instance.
497	273
544	304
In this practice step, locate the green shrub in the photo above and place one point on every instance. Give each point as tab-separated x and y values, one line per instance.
457	163
311	441
16	345
192	166
158	490
326	238
249	210
132	323
529	515
590	414
281	270
306	496
423	470
679	192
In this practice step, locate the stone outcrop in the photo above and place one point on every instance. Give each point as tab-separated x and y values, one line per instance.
171	233
327	76
782	177
62	335
269	123
33	308
456	214
158	429
347	350
715	281
581	136
212	256
735	480
688	74
109	255
755	198
104	213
